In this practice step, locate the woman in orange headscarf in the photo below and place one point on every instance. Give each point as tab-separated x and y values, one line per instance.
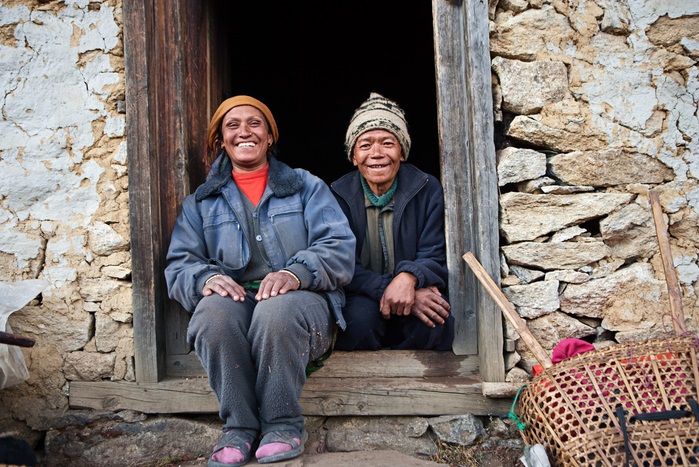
259	256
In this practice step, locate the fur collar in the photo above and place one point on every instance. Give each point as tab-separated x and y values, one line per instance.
283	180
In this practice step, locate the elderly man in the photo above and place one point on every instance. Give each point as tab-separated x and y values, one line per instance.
398	295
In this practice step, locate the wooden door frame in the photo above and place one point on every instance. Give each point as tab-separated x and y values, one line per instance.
468	171
169	90
168	100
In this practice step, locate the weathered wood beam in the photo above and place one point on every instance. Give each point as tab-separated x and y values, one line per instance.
501	390
144	194
387	382
469	175
321	397
384	363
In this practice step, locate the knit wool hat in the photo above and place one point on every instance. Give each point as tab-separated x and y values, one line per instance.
378	113
227	105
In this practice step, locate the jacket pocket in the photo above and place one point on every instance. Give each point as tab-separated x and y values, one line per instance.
290	231
225	241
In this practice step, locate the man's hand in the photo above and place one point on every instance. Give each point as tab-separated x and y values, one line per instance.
430	307
225	287
399	296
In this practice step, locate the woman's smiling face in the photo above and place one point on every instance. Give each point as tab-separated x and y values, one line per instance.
246	138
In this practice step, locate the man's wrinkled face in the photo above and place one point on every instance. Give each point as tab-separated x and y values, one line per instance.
378	154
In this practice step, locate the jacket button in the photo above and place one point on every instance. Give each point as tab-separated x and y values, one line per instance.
258	238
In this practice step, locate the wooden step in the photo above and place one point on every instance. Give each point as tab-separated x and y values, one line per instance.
389	382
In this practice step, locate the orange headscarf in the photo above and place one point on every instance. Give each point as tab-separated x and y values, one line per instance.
227	105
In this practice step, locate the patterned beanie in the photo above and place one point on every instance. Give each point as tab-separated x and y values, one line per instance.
236	101
378	113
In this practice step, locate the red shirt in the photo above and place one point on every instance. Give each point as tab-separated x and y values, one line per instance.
252	184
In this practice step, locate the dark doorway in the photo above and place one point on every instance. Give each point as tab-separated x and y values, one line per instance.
182	57
314	62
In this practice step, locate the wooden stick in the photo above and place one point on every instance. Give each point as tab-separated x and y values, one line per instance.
508	310
11	339
500	390
673	287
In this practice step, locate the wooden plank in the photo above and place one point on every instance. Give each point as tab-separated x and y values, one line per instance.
184	366
196	88
171	134
398	364
673	287
383	363
469	173
184	100
321	397
143	195
387	382
455	171
167	396
166	71
507	390
398	396
486	246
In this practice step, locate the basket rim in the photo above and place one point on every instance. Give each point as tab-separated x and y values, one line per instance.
632	349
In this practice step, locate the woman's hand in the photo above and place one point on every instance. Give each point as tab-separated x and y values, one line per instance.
275	283
225	287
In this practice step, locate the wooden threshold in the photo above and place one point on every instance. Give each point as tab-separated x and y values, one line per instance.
383	383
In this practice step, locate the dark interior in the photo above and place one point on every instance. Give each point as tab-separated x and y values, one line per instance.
313	63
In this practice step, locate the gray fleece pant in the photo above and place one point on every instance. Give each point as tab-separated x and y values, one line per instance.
255	355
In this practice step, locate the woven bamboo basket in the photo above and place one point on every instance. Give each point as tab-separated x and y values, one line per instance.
632	404
629	404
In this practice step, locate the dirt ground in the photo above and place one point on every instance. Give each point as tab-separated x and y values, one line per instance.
453	456
386	458
336	459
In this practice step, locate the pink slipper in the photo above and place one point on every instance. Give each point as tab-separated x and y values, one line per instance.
233	450
281	445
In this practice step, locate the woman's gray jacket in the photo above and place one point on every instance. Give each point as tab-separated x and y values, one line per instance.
300	224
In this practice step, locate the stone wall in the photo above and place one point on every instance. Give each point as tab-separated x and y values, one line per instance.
64	213
596	102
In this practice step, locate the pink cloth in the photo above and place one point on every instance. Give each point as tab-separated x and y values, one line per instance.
569	348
